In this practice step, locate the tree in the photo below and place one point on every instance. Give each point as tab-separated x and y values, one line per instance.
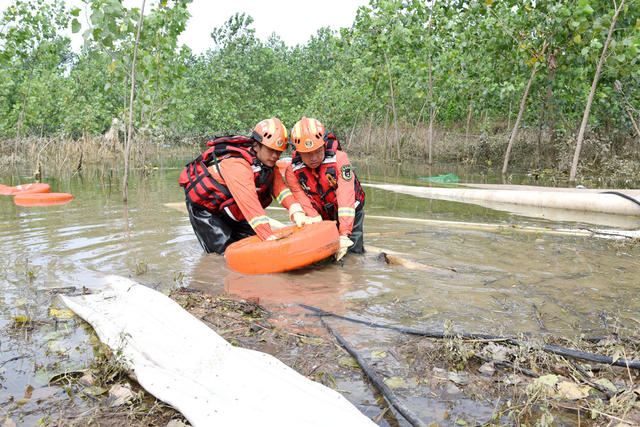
585	117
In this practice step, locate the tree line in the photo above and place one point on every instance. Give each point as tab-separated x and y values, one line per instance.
402	64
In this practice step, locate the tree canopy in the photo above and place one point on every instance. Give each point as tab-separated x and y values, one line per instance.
400	60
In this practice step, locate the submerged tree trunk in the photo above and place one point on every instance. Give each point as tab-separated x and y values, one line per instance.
24	107
545	103
585	117
514	133
633	122
393	108
127	148
368	143
466	135
432	115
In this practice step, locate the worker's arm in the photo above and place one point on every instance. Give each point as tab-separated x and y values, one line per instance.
285	197
239	179
345	193
300	196
281	192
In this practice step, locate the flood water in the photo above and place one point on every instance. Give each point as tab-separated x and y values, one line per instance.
504	282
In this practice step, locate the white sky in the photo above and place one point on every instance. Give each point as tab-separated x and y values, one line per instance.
293	20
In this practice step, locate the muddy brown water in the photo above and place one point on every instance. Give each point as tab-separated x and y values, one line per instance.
505	282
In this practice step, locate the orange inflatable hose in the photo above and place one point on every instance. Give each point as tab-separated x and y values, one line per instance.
37	187
294	248
42	199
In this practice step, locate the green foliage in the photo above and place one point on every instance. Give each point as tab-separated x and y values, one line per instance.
446	57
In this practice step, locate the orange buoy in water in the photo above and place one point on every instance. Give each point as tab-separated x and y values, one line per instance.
294	248
42	199
282	164
36	187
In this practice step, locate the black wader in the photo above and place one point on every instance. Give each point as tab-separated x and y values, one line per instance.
216	232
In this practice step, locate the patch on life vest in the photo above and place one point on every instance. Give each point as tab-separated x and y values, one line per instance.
346	172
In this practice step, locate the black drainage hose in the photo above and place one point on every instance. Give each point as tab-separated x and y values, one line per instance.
561	351
625	196
384	389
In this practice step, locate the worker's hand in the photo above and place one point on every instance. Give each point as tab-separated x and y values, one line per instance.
296	214
345	244
300	219
313	219
272	237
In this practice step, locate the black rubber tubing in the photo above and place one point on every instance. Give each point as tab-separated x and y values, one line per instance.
632	199
561	351
384	389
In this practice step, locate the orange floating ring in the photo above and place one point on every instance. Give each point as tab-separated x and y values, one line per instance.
24	189
282	164
294	248
42	199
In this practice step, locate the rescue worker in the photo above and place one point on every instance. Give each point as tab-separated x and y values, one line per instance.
323	182
230	184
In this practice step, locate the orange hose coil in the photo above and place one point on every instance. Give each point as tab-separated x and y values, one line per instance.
37	187
294	248
42	199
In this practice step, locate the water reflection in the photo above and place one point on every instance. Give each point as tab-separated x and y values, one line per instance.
323	285
577	284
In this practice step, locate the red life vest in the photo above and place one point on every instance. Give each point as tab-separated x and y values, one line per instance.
321	187
201	188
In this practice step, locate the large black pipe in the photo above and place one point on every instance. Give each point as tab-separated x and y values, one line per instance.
561	351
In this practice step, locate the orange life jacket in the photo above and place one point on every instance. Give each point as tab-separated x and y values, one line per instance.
321	189
201	188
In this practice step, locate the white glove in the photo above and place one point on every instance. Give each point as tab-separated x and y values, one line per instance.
313	219
345	244
296	214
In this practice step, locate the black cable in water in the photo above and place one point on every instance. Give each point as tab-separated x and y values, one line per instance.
625	196
384	389
561	351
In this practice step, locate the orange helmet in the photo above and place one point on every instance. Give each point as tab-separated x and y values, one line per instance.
272	133
308	135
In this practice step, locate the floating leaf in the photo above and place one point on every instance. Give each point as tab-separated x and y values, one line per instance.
571	390
394	382
547	380
120	394
45	375
312	340
94	390
377	354
61	314
349	362
458	378
603	382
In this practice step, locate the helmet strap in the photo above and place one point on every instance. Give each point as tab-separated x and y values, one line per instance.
255	135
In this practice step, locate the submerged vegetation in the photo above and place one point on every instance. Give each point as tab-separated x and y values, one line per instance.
455	80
